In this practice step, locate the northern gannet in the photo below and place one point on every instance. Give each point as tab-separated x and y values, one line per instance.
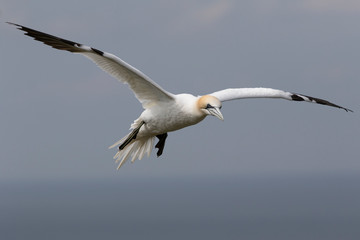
164	112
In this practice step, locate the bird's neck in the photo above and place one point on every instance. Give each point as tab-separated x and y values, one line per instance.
189	105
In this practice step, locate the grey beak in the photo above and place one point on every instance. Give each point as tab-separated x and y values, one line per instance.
216	112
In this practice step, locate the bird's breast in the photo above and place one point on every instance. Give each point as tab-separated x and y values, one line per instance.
169	118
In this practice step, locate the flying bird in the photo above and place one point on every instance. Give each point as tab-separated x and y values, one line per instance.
163	111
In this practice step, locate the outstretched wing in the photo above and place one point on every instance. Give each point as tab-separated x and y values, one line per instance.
146	90
238	93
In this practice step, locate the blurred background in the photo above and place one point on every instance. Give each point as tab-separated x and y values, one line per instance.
273	169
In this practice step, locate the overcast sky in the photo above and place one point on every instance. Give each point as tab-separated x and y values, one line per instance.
59	112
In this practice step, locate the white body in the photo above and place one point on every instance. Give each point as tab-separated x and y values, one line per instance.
159	118
170	116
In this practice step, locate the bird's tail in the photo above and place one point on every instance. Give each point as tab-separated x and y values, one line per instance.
135	149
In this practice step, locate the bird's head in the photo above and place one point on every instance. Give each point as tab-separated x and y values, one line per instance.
210	105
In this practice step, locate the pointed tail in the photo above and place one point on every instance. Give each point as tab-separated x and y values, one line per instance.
135	149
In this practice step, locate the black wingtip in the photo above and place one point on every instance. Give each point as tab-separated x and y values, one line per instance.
347	110
17	25
300	97
51	40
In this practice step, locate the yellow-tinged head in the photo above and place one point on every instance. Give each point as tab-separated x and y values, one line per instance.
210	105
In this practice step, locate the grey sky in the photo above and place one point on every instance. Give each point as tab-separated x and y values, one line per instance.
59	112
274	169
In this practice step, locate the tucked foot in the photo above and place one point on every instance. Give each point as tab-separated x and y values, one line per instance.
161	144
132	136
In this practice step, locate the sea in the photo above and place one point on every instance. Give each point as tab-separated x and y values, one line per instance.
254	208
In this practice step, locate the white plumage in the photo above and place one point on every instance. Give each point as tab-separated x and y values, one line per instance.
163	111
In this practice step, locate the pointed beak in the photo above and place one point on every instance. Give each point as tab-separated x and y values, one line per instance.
216	112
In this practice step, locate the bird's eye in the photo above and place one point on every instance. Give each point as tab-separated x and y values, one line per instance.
208	106
220	107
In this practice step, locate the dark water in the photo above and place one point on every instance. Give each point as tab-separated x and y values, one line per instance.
172	208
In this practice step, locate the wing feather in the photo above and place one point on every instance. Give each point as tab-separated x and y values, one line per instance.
240	93
145	90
